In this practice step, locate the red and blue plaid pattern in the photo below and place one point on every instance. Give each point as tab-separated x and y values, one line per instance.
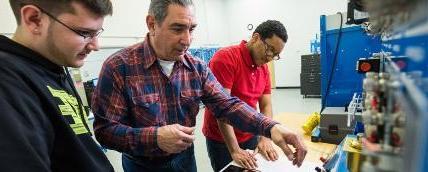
134	97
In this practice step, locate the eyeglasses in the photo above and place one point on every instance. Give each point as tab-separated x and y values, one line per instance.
87	35
269	51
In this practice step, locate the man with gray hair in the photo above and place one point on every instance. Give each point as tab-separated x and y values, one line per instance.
148	96
43	125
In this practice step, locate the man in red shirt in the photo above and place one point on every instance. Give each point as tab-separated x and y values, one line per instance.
242	71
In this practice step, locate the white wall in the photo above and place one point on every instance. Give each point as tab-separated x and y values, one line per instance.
127	26
7	21
211	17
220	23
301	19
128	23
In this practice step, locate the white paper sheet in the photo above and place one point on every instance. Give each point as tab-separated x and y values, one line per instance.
282	164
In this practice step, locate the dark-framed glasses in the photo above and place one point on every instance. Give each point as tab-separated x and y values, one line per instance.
270	51
87	35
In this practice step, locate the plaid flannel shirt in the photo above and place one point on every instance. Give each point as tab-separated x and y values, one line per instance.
134	97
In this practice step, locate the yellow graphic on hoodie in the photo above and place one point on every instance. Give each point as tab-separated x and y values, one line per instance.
69	108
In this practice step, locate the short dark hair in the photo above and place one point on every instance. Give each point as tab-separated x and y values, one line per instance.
56	7
272	27
159	8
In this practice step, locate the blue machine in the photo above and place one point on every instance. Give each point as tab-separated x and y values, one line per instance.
315	45
341	47
204	53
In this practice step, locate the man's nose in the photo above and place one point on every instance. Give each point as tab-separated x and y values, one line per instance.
93	44
186	38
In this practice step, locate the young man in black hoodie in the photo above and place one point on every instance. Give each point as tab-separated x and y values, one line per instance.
43	126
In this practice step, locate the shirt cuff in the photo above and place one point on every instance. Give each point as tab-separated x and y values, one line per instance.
268	125
150	140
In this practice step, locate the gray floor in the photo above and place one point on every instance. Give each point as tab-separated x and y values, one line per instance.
283	100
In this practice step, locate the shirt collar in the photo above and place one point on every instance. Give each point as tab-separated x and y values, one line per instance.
246	55
147	52
149	56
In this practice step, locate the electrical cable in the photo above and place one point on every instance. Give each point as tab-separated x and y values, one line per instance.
334	62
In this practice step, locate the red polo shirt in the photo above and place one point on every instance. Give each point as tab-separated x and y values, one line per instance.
235	70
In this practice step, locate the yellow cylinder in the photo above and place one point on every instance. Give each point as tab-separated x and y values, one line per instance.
311	123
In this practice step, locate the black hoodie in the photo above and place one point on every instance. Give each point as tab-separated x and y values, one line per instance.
42	124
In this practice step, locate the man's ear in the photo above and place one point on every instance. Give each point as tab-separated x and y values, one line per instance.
31	19
255	37
150	21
